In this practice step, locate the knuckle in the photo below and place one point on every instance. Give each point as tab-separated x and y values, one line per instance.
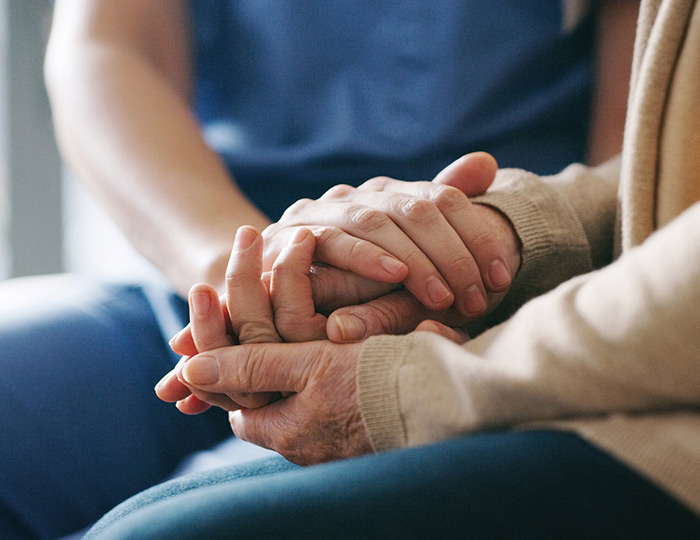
284	269
341	191
450	199
232	277
325	236
415	259
383	318
250	401
378	183
256	332
296	208
368	219
289	321
358	249
244	368
418	211
238	285
482	239
459	264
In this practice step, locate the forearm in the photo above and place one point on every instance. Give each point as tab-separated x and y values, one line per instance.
620	339
125	129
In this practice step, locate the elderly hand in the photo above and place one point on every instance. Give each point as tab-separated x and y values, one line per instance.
310	412
245	313
318	420
307	408
451	253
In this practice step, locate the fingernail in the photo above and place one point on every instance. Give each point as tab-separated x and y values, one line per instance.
437	290
351	328
474	301
499	275
391	265
244	238
201	303
299	236
201	370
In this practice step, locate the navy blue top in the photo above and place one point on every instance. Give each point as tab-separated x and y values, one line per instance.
297	96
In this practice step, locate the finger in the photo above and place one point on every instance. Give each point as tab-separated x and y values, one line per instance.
395	313
334	288
207	321
435	327
407	219
366	216
337	248
265	367
290	289
209	331
478	248
263	427
171	389
427	224
182	343
248	300
192	405
220	400
472	174
203	401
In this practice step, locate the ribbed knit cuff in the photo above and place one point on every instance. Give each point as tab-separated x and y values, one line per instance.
554	244
378	391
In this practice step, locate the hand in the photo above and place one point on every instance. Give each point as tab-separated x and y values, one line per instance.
245	314
312	414
450	253
399	312
319	419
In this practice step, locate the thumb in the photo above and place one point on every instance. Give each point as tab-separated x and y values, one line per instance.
395	313
472	174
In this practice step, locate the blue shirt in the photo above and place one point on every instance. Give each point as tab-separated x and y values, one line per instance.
297	96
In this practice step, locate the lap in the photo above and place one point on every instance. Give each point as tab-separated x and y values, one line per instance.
81	427
534	484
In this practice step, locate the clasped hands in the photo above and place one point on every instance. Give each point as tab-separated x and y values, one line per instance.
343	255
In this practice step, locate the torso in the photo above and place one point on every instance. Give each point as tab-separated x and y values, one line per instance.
299	96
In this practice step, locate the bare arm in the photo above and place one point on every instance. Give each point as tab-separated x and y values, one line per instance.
616	24
118	75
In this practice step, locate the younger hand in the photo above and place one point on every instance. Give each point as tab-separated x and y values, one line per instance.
399	312
450	253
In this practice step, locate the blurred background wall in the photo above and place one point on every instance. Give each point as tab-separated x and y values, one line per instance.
48	222
30	169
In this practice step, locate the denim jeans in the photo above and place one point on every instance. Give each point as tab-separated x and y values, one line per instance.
501	485
80	426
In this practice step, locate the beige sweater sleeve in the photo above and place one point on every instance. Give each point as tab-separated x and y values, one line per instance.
565	224
623	338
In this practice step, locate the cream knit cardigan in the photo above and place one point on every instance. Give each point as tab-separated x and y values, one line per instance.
612	353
